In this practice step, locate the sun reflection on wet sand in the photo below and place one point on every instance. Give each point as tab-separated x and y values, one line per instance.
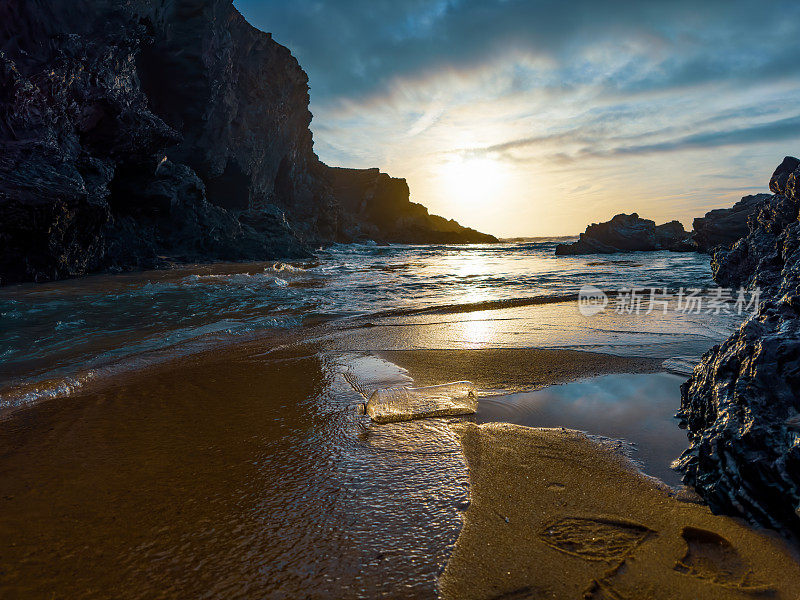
478	330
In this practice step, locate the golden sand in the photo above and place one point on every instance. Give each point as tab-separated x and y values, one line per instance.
554	514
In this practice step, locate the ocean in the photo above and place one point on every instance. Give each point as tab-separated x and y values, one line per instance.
56	337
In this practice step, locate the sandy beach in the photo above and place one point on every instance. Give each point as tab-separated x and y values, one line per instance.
554	514
248	473
400	300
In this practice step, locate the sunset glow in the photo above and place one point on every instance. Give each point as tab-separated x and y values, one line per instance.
570	121
475	182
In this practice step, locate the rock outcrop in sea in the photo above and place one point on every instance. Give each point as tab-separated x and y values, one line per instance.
137	133
741	406
628	233
718	229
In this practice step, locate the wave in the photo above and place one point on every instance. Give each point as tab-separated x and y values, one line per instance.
482	305
63	381
58	337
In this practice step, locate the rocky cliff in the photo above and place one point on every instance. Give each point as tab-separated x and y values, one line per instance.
377	207
141	132
741	406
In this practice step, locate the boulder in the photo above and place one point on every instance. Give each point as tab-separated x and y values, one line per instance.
741	409
628	233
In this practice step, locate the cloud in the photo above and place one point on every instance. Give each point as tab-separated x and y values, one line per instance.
354	47
784	129
602	106
774	131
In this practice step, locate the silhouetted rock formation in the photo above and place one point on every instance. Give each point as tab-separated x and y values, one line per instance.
742	404
718	229
377	207
725	226
132	133
628	233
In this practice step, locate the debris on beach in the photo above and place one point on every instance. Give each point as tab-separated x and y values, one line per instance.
389	405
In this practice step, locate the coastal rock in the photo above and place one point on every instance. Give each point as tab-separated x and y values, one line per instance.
741	409
628	233
742	404
725	226
786	171
378	207
767	256
137	133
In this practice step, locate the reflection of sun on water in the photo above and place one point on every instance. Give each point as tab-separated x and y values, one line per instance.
473	181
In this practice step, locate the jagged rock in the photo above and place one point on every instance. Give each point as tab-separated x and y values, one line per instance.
725	226
779	182
758	260
94	94
379	208
628	233
742	402
767	257
741	407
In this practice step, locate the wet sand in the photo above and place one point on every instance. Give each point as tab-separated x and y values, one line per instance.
512	369
248	474
555	515
239	475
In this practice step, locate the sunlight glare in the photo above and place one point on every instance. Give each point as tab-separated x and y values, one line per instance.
473	181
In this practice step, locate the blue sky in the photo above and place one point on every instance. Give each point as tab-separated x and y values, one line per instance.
536	118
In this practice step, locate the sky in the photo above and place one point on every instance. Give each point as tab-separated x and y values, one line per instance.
533	118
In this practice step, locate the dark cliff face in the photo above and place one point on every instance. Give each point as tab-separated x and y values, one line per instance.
741	406
378	207
141	132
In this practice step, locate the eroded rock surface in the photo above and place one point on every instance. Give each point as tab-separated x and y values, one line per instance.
726	226
742	404
628	233
141	132
767	257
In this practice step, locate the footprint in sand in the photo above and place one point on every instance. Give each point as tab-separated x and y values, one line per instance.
713	558
594	539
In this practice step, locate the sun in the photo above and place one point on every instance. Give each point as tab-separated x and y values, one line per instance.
473	181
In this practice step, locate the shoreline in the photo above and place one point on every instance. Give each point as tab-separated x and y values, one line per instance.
371	331
508	370
252	457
